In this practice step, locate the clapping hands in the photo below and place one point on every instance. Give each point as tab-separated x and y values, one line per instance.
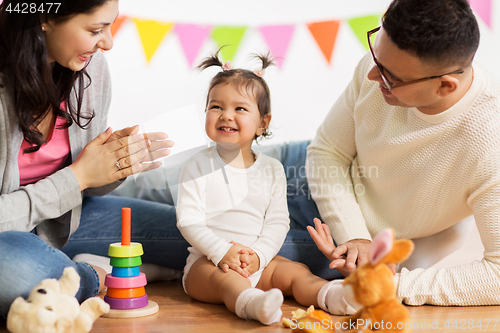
116	155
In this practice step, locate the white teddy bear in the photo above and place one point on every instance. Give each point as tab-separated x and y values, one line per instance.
53	308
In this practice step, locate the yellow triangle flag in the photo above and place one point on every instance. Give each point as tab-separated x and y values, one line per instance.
151	34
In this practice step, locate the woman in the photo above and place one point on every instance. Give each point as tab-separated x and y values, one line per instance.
55	150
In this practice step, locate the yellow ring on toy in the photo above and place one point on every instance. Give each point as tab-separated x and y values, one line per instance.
123	251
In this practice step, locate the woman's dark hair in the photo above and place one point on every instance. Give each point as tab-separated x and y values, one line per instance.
37	86
442	32
253	84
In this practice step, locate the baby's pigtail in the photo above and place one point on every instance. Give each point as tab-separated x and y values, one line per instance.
213	60
266	59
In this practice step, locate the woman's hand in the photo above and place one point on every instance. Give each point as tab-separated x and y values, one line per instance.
156	142
97	164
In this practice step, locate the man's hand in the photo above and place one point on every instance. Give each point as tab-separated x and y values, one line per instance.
347	256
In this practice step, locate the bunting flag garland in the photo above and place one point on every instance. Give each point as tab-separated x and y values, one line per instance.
230	37
361	25
152	34
278	39
325	34
482	9
117	24
191	37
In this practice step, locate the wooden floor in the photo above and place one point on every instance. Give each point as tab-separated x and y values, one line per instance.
179	313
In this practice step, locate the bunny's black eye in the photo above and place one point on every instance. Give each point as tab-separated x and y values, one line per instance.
42	291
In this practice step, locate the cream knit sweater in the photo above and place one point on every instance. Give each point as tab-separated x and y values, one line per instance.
374	166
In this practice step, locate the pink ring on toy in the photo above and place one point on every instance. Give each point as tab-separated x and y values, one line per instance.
125	282
127	303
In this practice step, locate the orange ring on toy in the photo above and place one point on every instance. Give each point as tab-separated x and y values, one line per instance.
126	293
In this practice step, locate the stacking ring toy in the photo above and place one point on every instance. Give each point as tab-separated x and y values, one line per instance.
126	293
125	282
125	271
126	303
123	251
126	262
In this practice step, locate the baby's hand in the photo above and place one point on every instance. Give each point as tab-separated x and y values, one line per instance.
231	260
321	236
345	257
250	261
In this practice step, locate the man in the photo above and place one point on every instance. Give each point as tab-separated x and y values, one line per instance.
413	144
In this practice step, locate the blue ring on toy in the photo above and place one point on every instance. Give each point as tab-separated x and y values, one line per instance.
125	271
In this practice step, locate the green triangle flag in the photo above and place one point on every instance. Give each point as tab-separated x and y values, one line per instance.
361	25
230	37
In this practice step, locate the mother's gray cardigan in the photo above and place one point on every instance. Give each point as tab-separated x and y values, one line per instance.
52	205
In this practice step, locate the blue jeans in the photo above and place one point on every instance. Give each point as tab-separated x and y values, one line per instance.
25	259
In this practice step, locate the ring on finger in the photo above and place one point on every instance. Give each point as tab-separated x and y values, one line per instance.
117	163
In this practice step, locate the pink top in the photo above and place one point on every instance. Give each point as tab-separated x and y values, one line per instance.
50	158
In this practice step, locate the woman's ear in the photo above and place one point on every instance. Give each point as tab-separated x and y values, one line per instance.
264	124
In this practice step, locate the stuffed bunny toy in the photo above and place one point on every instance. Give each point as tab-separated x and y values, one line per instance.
371	288
53	308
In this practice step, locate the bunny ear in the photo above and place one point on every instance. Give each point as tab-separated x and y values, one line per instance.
381	246
401	250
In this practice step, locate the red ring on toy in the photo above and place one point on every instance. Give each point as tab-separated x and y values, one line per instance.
125	282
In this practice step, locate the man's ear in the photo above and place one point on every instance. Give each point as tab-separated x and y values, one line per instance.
264	124
449	84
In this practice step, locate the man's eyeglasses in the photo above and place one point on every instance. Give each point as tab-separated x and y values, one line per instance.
390	85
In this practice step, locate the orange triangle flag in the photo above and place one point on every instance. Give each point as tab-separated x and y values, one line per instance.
117	24
325	34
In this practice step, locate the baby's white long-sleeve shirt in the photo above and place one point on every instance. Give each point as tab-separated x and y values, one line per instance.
218	204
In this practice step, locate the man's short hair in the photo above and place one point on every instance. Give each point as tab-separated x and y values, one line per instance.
441	32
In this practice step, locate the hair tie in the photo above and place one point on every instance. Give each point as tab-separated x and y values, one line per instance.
227	66
259	72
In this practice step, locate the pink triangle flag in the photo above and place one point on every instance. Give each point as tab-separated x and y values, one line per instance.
278	39
483	9
192	37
